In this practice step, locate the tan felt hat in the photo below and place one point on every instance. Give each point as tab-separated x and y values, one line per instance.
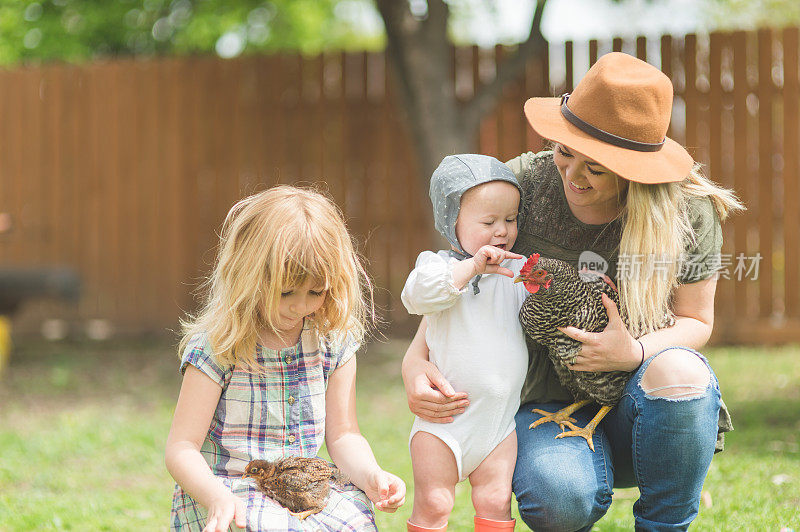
618	115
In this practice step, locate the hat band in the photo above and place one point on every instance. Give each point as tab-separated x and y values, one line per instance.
605	136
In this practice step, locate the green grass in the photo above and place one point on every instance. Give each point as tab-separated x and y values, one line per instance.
82	430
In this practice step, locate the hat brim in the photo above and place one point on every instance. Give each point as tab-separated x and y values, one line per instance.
669	164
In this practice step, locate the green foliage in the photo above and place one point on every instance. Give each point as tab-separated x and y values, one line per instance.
78	30
749	14
83	426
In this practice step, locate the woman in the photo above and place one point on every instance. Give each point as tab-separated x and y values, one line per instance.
617	193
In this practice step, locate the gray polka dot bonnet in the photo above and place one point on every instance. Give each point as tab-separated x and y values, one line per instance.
455	175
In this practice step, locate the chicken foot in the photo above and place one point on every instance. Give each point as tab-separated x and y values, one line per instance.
306	513
587	431
562	417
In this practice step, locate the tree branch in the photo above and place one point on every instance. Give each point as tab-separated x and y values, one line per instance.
486	97
438	14
397	21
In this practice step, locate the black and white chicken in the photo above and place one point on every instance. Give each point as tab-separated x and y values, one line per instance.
560	296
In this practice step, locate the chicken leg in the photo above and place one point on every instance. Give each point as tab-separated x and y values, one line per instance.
587	431
306	513
562	417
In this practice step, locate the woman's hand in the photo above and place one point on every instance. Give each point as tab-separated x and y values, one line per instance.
223	510
429	394
386	490
612	349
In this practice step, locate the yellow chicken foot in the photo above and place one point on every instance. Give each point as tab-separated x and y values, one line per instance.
562	417
304	514
587	431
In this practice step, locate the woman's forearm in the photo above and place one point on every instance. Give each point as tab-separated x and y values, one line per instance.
418	350
686	332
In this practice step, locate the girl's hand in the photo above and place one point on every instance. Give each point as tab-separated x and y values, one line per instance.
223	510
613	349
429	394
386	490
488	258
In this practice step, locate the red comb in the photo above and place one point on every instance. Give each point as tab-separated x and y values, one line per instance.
529	264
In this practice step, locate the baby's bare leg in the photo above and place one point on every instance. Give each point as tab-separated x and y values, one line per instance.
491	481
435	479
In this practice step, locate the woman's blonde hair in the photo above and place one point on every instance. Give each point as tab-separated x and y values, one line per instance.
270	242
656	227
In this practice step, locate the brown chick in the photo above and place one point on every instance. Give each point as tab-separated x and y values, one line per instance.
300	484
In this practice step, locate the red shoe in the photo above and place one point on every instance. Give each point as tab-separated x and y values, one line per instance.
411	527
490	525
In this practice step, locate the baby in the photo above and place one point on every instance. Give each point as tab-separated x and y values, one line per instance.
475	340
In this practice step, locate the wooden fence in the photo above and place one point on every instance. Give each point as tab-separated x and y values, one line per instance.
125	169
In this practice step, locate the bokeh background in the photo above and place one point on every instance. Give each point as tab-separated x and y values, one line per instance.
128	128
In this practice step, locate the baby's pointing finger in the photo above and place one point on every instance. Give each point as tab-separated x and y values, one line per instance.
500	270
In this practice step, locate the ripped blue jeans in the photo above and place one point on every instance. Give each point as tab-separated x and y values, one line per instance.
663	445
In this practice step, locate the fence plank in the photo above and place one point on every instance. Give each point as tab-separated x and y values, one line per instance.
14	168
791	171
107	156
690	96
765	171
171	159
741	172
724	310
569	66
641	48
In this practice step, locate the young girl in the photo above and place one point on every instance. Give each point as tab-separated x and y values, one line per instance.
269	371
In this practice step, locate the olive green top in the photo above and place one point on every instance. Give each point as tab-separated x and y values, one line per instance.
548	227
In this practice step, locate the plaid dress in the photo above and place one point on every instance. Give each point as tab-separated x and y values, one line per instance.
281	413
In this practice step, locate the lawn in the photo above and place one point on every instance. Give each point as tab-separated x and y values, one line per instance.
82	430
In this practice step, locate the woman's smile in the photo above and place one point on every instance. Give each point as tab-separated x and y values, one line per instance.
577	188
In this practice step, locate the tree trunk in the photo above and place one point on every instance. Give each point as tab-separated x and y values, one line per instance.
422	61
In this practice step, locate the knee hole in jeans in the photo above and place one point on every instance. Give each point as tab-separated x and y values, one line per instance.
676	374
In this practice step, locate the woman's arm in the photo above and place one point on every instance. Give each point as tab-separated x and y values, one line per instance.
196	404
429	394
614	349
348	448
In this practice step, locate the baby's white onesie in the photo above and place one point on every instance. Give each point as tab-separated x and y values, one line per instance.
477	343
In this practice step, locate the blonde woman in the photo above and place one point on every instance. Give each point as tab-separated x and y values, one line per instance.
615	194
269	371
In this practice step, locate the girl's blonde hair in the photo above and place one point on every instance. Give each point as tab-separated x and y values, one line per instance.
656	226
273	241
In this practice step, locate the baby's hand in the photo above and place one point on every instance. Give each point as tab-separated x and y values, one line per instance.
386	490
223	510
488	259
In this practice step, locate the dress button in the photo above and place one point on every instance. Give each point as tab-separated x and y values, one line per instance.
291	438
289	359
291	399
